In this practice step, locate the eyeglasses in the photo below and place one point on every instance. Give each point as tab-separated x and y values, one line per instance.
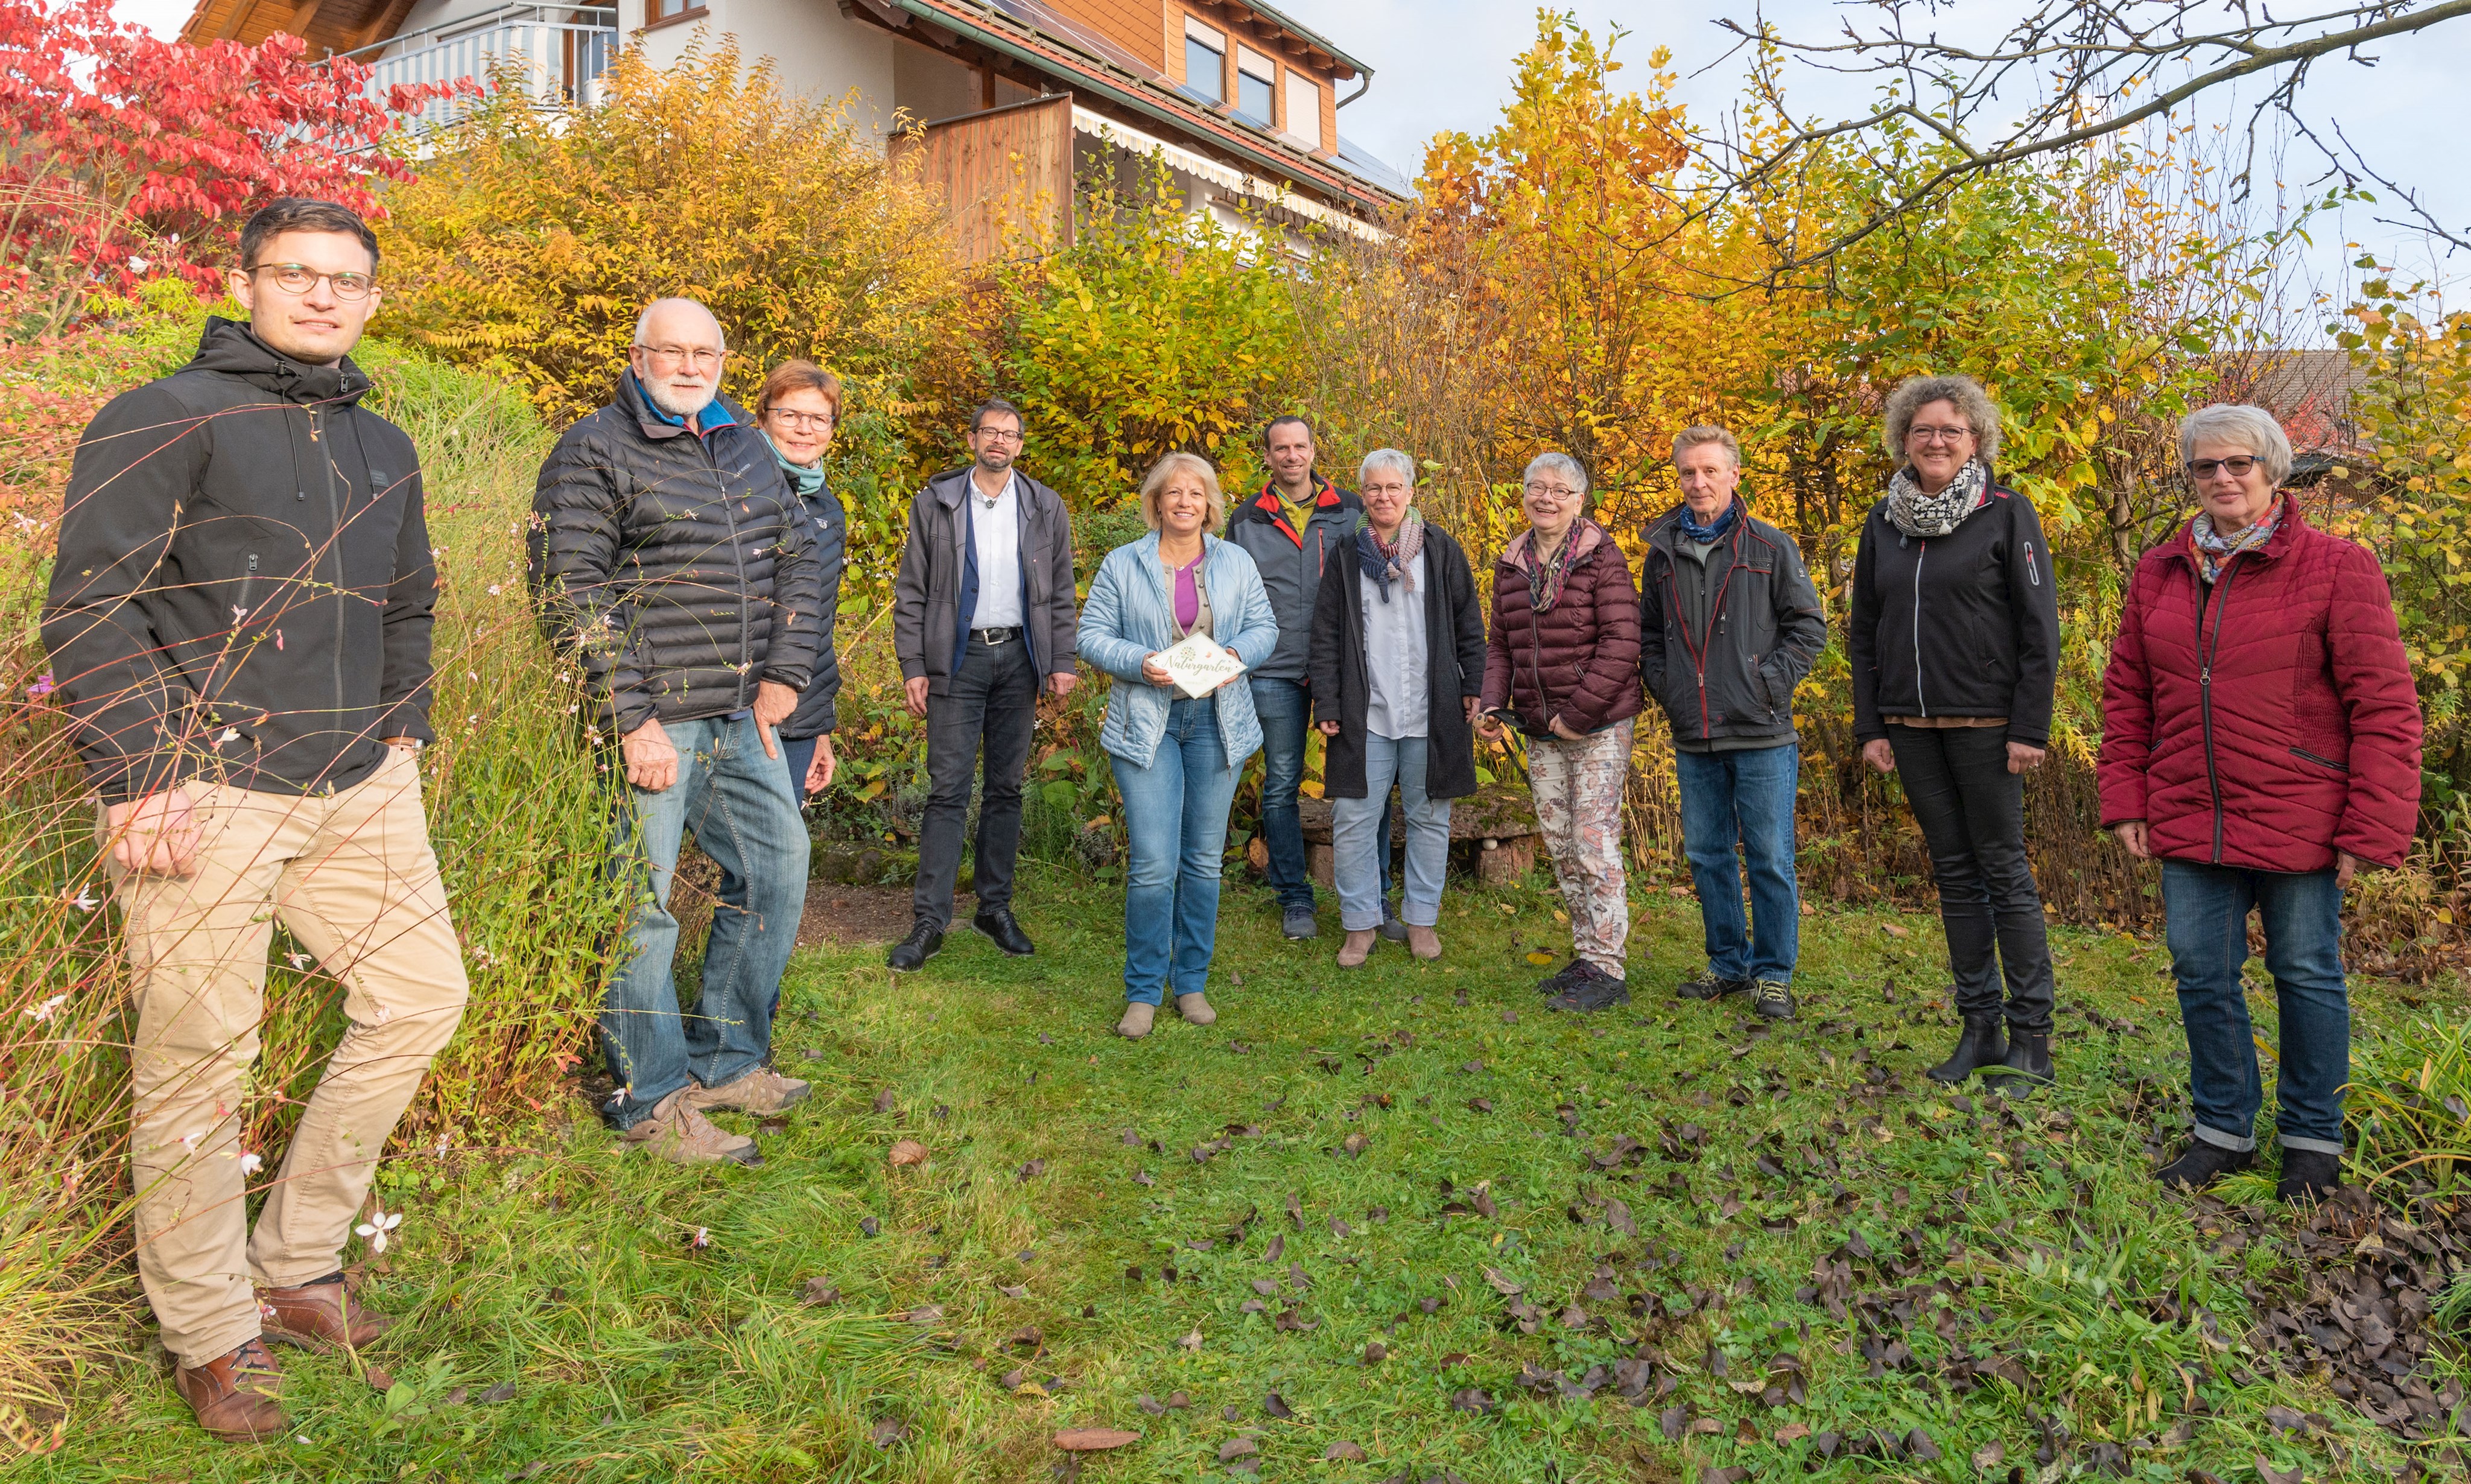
800	422
1551	492
1938	435
682	355
996	434
301	279
2236	466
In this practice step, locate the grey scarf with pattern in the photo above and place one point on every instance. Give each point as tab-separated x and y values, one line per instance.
1925	516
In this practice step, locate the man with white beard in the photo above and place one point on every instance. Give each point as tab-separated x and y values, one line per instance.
675	566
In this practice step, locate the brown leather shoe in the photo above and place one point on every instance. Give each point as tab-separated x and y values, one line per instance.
234	1394
320	1316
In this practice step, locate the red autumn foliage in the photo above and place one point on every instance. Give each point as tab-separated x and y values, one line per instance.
123	156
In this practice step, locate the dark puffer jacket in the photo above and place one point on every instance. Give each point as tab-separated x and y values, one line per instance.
679	560
242	587
2270	721
819	705
1579	659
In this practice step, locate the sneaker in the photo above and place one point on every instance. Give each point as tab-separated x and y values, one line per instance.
761	1092
1589	988
2203	1164
2307	1174
911	952
1771	1000
1712	985
1298	923
677	1132
1561	979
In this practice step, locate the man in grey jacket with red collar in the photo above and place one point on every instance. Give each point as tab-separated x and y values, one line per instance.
982	615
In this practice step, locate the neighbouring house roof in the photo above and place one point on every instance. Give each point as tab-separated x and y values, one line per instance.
2308	391
326	25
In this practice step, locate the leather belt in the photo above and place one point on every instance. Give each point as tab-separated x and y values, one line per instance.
992	637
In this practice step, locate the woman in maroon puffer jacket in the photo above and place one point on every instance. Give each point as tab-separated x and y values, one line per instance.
2261	736
1563	666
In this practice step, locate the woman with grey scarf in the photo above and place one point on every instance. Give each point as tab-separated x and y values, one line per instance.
1955	646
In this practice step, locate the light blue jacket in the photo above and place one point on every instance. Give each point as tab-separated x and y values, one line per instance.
1129	615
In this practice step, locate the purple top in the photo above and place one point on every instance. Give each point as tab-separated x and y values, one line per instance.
1188	594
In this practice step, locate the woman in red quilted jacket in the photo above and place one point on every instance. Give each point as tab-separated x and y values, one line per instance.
1563	666
2261	736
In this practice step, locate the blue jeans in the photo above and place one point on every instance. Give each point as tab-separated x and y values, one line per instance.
1285	710
2205	909
1745	796
798	756
738	803
1360	838
1175	817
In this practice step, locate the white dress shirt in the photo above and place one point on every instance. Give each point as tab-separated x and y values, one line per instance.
996	534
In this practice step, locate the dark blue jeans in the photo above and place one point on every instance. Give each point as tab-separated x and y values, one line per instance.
2206	908
1285	710
1746	797
1175	817
799	755
736	802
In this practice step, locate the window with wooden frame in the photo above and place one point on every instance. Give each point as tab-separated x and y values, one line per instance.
658	10
1205	61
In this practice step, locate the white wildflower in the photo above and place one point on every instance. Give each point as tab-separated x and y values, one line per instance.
251	1164
46	1010
377	1226
84	900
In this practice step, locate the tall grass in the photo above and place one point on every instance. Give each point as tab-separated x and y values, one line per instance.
520	814
2409	1108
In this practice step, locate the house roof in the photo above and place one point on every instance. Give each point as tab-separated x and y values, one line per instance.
1034	34
326	25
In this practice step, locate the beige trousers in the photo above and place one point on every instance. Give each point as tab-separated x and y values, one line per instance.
352	875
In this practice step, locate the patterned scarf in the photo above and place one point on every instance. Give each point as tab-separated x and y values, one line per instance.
1924	516
1545	575
2214	550
1389	562
1715	531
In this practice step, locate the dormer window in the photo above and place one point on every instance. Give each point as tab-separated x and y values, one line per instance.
1205	61
1257	86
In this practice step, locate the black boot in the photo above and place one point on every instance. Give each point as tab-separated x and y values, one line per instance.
1984	1043
2026	1067
2202	1163
2307	1174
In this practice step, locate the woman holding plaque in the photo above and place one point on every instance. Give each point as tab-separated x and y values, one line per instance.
1397	666
1173	617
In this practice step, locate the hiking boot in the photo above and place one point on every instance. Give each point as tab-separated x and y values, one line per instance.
1561	979
1589	988
761	1092
234	1394
1357	948
677	1132
1391	928
1298	924
2307	1174
1195	1009
2025	1067
1984	1043
1424	942
319	1315
911	952
1139	1015
999	923
2203	1164
1771	1000
1712	985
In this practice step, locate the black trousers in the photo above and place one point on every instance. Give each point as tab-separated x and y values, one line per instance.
1971	810
992	701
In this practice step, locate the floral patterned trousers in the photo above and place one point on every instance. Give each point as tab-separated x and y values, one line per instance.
1578	788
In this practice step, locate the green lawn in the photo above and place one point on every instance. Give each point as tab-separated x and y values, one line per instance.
1203	1237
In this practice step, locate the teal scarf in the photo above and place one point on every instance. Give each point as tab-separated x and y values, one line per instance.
808	479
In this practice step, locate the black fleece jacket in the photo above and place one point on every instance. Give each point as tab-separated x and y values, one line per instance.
243	589
1964	624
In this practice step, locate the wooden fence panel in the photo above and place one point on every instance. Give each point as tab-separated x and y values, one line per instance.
1007	177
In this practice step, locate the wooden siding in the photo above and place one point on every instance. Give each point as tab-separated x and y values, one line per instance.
1135	25
1006	175
327	25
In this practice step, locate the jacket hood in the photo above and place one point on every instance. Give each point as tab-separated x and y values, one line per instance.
233	349
1584	543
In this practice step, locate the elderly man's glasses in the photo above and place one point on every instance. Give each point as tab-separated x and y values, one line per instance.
801	422
1938	435
1551	492
682	355
301	279
2236	466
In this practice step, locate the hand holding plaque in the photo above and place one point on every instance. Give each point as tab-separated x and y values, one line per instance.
1198	665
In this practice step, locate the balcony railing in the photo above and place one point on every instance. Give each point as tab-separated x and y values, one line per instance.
557	56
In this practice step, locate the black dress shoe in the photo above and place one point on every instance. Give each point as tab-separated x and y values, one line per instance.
2203	1164
911	952
1983	1044
2307	1174
996	923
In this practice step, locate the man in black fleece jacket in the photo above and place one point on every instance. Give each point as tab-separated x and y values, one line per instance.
239	619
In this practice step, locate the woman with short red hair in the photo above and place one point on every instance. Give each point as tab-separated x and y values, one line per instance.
797	412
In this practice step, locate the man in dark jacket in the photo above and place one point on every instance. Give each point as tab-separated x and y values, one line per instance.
239	616
1291	529
671	558
982	610
1728	625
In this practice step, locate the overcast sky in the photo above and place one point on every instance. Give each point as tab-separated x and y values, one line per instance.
1447	64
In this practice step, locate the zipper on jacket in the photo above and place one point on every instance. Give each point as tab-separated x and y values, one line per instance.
334	536
738	560
1921	707
2219	601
